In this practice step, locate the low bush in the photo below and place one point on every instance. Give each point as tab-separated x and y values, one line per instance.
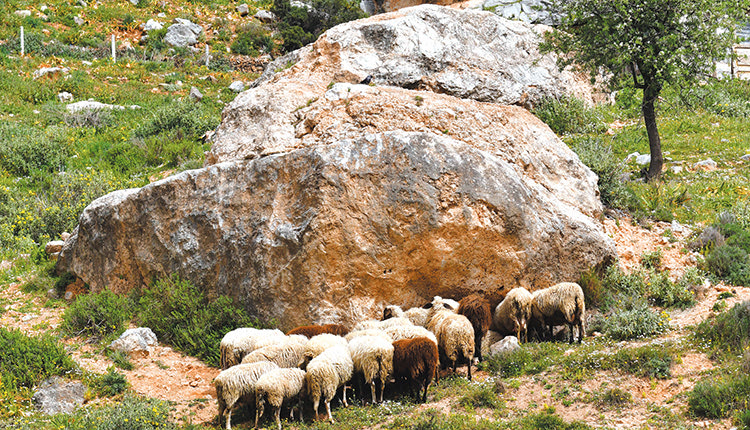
109	384
299	26
729	331
182	315
566	115
743	419
25	361
531	358
635	321
25	149
729	263
96	314
614	397
251	39
650	361
600	158
719	397
480	395
179	119
652	260
121	360
662	291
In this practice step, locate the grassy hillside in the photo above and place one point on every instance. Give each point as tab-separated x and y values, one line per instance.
54	162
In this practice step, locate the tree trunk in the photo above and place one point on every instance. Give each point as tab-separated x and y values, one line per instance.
650	94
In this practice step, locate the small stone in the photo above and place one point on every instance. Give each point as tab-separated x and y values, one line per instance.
134	2
631	157
137	342
23	13
68	296
161	15
195	94
78	20
243	10
65	97
708	165
676	169
237	86
745	157
28	317
56	395
264	16
43	7
508	344
82	3
152	24
643	159
53	246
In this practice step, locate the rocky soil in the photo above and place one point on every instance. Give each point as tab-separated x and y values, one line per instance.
186	381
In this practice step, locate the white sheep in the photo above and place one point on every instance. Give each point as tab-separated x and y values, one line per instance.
327	372
512	315
454	333
238	383
370	324
368	332
318	344
236	344
417	316
373	358
276	387
560	304
289	353
409	332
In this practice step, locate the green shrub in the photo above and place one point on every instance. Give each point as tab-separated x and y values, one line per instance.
545	420
179	119
182	315
96	314
25	361
615	397
25	149
566	115
480	395
299	26
636	322
121	359
251	39
109	384
743	419
600	158
531	358
650	361
729	263
718	397
663	292
652	260
728	331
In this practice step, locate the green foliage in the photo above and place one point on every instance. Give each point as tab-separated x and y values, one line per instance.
729	263
131	413
299	26
662	291
251	39
592	288
599	157
718	397
728	331
177	120
652	260
182	315
531	358
96	314
636	321
109	384
26	149
546	420
743	419
567	115
727	98
650	361
25	361
121	360
615	397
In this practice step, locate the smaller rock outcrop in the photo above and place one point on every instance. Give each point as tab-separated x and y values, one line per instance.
136	342
183	33
58	396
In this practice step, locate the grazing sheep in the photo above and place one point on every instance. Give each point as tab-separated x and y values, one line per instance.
327	372
238	383
276	387
369	324
513	313
373	358
368	332
409	332
415	361
477	310
558	305
417	316
455	335
318	344
314	330
236	344
286	354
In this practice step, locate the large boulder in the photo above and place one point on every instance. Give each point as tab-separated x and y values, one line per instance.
463	53
322	203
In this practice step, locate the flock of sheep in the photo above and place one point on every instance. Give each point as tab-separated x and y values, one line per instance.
268	367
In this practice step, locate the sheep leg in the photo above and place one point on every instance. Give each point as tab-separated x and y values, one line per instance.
382	388
301	406
478	347
468	368
343	396
372	390
258	412
278	417
328	409
581	330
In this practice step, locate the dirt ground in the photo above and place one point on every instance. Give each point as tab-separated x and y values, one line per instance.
186	381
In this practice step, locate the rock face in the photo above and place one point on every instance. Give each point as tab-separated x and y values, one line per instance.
529	11
463	53
323	204
182	33
136	342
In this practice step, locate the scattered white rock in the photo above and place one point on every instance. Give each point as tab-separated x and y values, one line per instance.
23	13
643	159
676	169
135	342
745	157
53	246
91	105
237	86
65	97
631	157
195	94
343	91
708	165
508	344
28	317
43	7
161	15
242	9
183	33
79	21
87	63
44	71
265	16
152	24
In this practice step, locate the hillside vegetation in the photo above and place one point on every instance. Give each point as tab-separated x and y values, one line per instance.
54	162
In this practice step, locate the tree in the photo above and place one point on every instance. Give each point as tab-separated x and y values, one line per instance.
652	42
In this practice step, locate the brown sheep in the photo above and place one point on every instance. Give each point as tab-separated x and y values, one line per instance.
477	310
415	360
314	330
